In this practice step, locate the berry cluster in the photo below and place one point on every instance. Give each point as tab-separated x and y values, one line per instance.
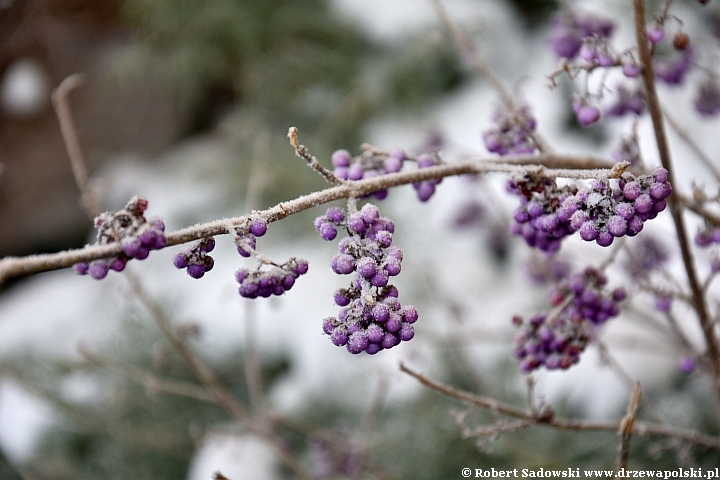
589	301
627	101
707	101
275	281
602	213
426	188
645	256
129	226
371	163
672	69
246	235
372	318
538	219
707	237
571	31
556	340
512	133
195	258
555	343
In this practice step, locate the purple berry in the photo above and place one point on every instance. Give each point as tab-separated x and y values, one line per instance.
617	226
380	279
392	266
663	304
604	239
81	268
340	158
328	231
339	337
369	213
342	264
589	231
118	264
366	267
355	172
180	261
357	342
258	227
655	33
98	269
195	271
410	314
587	115
406	332
643	203
335	214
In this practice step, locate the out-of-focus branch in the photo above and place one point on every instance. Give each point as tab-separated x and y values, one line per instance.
89	197
150	380
699	301
546	418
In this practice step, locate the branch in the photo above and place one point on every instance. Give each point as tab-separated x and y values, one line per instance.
674	202
642	429
548	165
90	200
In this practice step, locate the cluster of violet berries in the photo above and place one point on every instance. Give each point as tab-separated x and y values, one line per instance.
556	340
129	226
246	236
274	281
512	133
373	163
371	319
601	213
195	259
571	31
538	219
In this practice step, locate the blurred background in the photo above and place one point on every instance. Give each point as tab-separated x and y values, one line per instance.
188	104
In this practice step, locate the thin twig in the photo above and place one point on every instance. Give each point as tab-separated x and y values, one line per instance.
214	387
642	429
651	97
628	425
149	380
302	152
89	197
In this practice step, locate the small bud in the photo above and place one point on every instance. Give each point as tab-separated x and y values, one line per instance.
681	41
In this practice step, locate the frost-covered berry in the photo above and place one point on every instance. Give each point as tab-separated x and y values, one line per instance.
137	235
258	227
